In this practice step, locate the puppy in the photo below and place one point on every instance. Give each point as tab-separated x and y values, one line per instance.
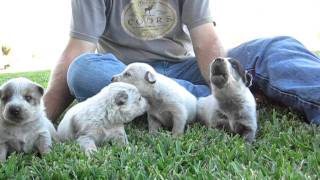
101	118
24	126
171	105
231	106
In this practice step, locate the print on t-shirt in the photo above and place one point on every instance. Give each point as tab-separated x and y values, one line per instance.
148	19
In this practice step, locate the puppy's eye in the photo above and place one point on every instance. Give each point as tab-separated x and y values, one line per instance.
28	98
140	98
5	98
127	74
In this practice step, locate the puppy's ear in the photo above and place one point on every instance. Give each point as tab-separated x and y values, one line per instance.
121	98
150	77
39	88
248	79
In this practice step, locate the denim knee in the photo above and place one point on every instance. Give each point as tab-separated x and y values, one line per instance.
90	72
74	74
285	71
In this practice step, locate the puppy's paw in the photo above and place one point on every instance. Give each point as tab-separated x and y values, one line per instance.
121	140
3	159
153	126
245	131
177	134
90	150
153	131
45	150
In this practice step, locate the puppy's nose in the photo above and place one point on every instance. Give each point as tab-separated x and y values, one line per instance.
113	79
219	59
15	110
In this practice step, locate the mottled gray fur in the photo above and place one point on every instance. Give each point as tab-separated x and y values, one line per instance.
171	105
101	118
24	126
231	106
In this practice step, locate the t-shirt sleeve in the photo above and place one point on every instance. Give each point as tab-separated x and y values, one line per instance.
88	19
196	12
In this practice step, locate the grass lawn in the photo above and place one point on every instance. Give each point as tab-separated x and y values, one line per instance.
285	148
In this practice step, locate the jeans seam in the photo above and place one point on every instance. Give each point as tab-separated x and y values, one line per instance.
200	82
288	94
165	68
99	59
80	99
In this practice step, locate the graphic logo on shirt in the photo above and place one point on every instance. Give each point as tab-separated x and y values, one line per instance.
148	19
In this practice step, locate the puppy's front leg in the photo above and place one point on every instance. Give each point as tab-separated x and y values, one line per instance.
118	135
179	122
153	124
87	143
245	131
44	143
3	152
221	121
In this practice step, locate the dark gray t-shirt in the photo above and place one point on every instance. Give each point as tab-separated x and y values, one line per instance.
140	30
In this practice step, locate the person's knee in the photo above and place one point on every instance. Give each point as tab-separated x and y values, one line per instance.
285	40
77	69
90	68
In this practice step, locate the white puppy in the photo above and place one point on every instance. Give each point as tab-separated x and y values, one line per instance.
171	105
231	106
101	118
24	126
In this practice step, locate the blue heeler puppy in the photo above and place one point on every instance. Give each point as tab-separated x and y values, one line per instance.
24	126
231	106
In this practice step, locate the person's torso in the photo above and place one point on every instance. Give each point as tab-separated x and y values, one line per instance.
144	30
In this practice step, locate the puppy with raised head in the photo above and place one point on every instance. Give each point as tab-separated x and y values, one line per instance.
231	106
24	126
171	105
101	118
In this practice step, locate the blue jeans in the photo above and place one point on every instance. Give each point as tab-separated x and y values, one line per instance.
282	68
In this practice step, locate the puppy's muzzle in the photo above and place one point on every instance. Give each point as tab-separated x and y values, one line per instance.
218	66
114	79
219	73
15	111
218	60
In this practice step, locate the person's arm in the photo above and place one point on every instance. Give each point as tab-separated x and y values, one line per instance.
57	97
207	46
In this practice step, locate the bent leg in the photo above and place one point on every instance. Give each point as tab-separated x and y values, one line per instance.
90	72
187	74
87	144
285	71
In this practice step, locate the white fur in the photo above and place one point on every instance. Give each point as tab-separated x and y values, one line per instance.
171	105
207	108
33	131
99	118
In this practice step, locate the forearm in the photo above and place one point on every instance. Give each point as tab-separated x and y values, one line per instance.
206	54
57	97
207	47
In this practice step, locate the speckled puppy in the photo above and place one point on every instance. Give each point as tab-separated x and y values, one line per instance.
231	105
171	105
24	126
101	118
